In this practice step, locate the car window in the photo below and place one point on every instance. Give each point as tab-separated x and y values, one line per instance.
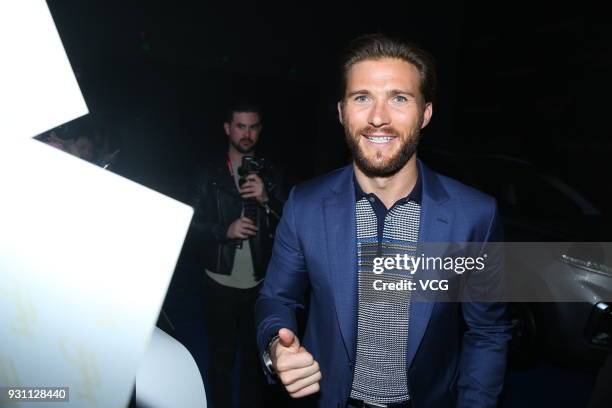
535	197
519	189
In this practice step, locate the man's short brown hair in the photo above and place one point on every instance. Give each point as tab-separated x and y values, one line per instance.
378	46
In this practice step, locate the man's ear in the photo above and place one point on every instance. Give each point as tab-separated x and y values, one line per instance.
427	112
226	126
340	112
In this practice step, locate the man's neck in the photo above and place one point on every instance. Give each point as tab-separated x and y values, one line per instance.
392	188
235	156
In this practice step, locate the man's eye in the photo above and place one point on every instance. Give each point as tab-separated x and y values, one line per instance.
400	99
361	98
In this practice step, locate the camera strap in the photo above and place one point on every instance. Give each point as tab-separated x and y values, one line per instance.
229	166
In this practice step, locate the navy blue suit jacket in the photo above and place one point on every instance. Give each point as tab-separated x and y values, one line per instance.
456	354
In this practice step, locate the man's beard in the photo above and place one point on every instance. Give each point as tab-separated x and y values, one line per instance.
390	166
243	149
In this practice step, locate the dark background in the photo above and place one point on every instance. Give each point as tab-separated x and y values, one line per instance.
524	78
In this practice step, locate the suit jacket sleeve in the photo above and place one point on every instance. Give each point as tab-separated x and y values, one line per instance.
286	280
483	356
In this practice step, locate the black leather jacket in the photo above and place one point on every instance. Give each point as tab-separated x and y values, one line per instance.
217	204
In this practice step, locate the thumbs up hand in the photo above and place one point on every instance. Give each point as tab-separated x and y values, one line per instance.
295	366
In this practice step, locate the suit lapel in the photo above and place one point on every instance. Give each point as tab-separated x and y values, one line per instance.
339	213
435	226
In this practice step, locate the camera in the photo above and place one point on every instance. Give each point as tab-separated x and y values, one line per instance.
250	165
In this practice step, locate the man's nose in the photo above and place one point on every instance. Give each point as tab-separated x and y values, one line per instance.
379	115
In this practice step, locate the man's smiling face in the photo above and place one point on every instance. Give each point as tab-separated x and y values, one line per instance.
383	113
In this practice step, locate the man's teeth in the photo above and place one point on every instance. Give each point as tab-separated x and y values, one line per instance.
379	139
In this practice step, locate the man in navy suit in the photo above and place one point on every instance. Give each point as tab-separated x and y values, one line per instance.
363	346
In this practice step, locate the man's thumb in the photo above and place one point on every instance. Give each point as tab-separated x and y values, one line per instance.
287	339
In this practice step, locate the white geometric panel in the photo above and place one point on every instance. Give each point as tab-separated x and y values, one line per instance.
39	90
86	257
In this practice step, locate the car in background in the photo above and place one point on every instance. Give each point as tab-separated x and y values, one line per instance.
538	207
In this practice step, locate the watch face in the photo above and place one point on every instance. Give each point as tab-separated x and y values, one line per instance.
265	356
268	362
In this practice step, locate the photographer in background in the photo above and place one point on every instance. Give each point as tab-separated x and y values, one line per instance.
237	209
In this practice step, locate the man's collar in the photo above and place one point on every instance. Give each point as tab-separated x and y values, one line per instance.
415	195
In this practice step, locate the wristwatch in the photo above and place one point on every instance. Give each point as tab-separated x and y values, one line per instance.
265	356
